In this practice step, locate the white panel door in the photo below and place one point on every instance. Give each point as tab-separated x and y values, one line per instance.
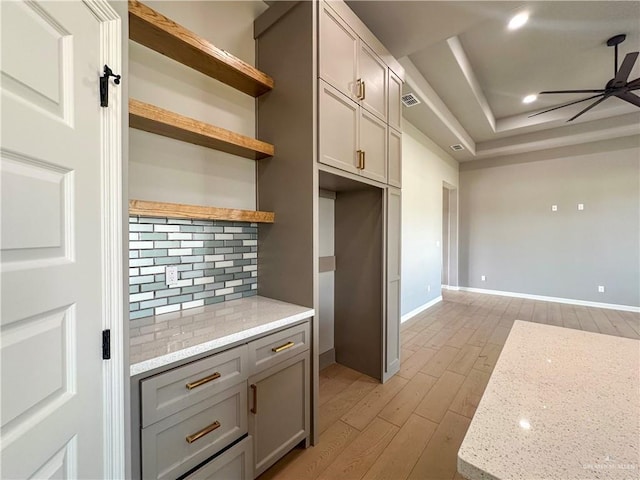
373	73
373	142
51	318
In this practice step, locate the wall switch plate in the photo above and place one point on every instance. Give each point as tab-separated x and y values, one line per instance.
554	208
581	206
600	288
171	275
483	278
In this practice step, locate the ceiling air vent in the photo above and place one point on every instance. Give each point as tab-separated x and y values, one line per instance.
457	147
409	100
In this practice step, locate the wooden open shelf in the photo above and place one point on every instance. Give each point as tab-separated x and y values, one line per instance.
154	30
150	118
177	210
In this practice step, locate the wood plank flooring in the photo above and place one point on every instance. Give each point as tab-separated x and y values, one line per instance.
412	426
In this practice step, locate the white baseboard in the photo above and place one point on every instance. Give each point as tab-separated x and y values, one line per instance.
450	287
420	309
570	301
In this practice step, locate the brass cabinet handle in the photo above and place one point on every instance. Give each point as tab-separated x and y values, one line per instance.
254	409
363	160
364	90
202	381
206	430
359	158
282	347
359	85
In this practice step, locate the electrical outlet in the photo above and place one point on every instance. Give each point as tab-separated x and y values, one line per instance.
554	208
581	206
483	278
600	288
171	275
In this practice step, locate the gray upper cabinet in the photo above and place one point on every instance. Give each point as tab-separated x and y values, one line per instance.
395	105
372	82
373	145
394	176
338	53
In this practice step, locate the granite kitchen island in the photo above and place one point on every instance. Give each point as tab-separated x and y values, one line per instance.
561	404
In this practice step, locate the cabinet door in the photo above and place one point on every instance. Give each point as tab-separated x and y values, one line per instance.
234	464
392	321
373	74
280	402
338	129
395	104
395	158
338	52
373	142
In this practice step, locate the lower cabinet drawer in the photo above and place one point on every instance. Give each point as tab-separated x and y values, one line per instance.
176	444
277	347
234	464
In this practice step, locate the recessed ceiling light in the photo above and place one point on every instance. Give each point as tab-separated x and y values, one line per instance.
518	20
529	99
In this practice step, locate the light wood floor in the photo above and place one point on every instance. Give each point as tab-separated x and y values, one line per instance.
412	426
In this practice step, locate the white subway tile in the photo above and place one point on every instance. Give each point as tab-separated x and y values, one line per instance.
232	229
192	243
203	280
138	297
254	286
223	236
195	303
249	268
140	262
152	270
180	236
254	273
133	272
182	283
227	263
213	258
134	236
166	228
140	245
249	255
224	291
173	252
249	243
139	227
167	309
233	283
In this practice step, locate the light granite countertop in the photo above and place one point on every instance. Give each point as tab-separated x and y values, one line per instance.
561	404
161	340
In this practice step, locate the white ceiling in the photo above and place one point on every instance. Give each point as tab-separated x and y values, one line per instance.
471	72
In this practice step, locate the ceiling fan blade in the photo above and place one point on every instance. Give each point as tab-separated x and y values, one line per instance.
589	108
625	69
566	105
634	83
629	97
573	91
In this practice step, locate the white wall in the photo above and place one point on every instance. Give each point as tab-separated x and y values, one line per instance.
167	170
425	167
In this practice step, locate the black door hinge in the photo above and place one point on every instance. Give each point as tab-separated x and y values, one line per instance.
106	344
104	85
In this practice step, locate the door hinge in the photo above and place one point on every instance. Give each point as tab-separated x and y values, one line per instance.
104	85
106	344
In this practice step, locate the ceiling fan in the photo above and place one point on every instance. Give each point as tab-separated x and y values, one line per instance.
618	86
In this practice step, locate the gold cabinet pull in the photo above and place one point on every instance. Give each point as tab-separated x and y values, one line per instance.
363	160
202	381
364	90
359	85
254	409
206	430
359	157
282	347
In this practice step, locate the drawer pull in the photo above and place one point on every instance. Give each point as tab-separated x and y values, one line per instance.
254	409
202	381
282	347
214	426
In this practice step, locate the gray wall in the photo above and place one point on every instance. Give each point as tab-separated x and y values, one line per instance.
509	232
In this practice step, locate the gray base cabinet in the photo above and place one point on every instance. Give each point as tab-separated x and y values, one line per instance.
234	464
279	409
